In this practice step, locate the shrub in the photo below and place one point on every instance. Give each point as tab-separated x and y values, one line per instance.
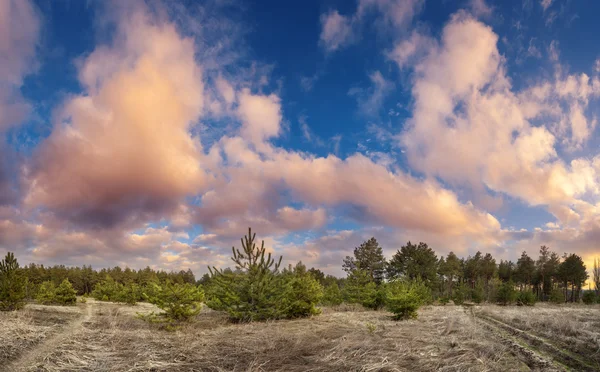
46	293
180	302
65	294
478	293
332	296
130	294
107	290
526	298
506	293
557	296
589	297
360	289
403	298
12	290
301	294
459	294
444	300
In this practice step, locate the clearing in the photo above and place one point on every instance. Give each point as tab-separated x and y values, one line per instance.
100	336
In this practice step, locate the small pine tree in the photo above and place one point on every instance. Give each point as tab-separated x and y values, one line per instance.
332	295
526	298
557	296
65	294
12	291
589	297
360	289
506	293
180	302
301	294
253	292
130	294
107	290
478	293
460	294
46	293
404	297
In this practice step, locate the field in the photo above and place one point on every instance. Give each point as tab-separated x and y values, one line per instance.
98	336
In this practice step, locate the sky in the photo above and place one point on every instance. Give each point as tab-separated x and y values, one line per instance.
154	133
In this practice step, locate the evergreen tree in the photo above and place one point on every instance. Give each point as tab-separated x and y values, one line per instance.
301	294
573	271
65	294
180	302
254	291
506	271
412	262
332	295
12	291
404	297
368	257
46	293
525	270
451	270
360	289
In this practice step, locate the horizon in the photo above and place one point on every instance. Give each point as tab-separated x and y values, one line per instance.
154	133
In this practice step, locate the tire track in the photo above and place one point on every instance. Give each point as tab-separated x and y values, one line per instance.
540	352
32	357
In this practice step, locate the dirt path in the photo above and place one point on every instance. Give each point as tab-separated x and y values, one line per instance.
34	356
536	352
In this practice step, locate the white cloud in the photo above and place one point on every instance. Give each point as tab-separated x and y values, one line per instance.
336	31
546	4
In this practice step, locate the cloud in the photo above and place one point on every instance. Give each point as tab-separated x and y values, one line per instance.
546	4
470	128
479	8
408	51
260	115
19	31
370	101
336	31
122	150
553	51
397	13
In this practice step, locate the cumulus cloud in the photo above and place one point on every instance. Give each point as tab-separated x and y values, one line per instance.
336	31
122	149
19	31
469	126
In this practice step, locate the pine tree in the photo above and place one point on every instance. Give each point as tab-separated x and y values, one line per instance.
254	291
180	302
46	293
360	289
12	291
404	297
368	257
332	295
65	294
301	294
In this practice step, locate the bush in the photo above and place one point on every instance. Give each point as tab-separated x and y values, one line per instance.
301	294
403	298
526	298
46	294
107	290
478	293
589	297
459	294
180	302
506	293
444	300
130	294
332	295
12	290
360	289
557	296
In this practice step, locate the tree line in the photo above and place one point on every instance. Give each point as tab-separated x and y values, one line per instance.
258	288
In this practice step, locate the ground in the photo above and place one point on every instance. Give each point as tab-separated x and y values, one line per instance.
97	336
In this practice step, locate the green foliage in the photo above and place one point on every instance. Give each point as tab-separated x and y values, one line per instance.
65	294
526	298
254	291
444	300
368	257
478	293
107	290
12	290
130	294
360	289
403	298
557	296
46	293
414	261
301	294
332	295
459	295
180	302
589	297
506	294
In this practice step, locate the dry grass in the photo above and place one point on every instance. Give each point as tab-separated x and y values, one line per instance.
574	328
441	339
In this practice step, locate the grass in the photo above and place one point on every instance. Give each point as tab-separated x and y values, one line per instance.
345	339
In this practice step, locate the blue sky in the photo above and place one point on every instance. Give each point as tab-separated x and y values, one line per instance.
154	133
